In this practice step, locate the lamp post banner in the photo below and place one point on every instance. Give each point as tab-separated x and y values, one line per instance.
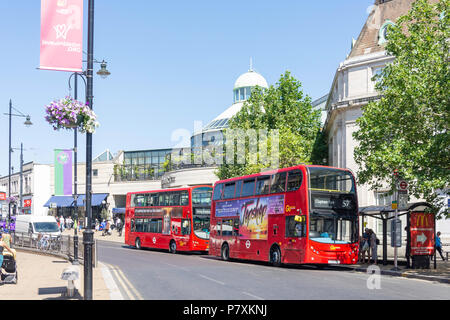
63	172
62	35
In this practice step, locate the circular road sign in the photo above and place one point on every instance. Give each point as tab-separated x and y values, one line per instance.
403	185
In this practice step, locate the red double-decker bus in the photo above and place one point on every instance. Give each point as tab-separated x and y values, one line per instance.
174	219
301	215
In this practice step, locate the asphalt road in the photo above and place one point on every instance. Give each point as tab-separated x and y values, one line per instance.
158	275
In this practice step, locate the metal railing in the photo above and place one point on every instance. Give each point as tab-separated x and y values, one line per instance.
62	246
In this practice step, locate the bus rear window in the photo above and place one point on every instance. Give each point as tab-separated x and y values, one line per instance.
218	192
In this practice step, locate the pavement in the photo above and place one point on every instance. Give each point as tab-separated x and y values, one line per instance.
39	275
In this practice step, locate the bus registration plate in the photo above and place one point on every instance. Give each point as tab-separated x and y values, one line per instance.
334	262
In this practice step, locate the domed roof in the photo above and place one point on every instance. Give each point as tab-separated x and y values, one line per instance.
251	79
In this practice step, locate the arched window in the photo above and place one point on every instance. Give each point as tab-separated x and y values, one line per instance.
383	33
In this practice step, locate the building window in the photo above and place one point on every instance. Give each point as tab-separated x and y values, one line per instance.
95	172
383	199
383	35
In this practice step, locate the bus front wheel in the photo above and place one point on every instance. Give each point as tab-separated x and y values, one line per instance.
275	256
173	247
138	244
225	252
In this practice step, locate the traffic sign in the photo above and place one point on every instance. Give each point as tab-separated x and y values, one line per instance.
394	205
403	185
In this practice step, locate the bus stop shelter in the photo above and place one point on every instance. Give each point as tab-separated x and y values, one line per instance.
386	213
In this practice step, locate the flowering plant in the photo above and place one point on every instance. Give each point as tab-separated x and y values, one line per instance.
69	113
11	199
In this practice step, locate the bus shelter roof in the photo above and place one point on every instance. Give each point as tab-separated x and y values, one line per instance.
382	212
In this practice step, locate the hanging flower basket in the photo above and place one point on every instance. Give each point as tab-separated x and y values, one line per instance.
69	113
11	200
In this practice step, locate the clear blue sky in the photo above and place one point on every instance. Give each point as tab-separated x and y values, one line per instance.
171	63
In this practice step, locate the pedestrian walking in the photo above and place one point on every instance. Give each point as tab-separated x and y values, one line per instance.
62	223
374	242
439	245
365	246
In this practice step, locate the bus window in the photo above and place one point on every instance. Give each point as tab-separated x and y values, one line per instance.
228	192
238	188
219	228
164	199
154	200
278	182
139	225
185	227
294	180
218	192
154	225
236	227
262	185
174	199
227	227
294	228
202	196
248	188
140	200
184	198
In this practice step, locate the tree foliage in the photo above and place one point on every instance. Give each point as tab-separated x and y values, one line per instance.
282	108
407	129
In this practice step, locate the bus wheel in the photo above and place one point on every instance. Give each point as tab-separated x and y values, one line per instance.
275	256
225	252
138	244
173	247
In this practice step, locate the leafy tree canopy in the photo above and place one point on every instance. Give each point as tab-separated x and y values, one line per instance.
285	110
407	129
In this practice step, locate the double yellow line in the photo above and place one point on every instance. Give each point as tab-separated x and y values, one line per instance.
129	289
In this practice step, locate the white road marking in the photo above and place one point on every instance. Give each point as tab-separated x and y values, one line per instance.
126	285
114	291
178	267
210	279
252	295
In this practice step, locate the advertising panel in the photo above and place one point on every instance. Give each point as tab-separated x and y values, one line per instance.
253	214
164	213
422	233
61	35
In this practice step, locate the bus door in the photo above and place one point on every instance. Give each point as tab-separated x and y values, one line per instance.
295	238
230	234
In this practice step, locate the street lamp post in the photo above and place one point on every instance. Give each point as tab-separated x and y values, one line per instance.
88	234
75	184
103	72
27	123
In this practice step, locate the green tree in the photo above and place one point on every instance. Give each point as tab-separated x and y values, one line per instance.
407	129
282	108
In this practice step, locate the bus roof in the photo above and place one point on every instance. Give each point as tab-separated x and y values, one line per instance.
271	172
170	190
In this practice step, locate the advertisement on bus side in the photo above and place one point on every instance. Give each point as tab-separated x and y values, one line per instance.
253	214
